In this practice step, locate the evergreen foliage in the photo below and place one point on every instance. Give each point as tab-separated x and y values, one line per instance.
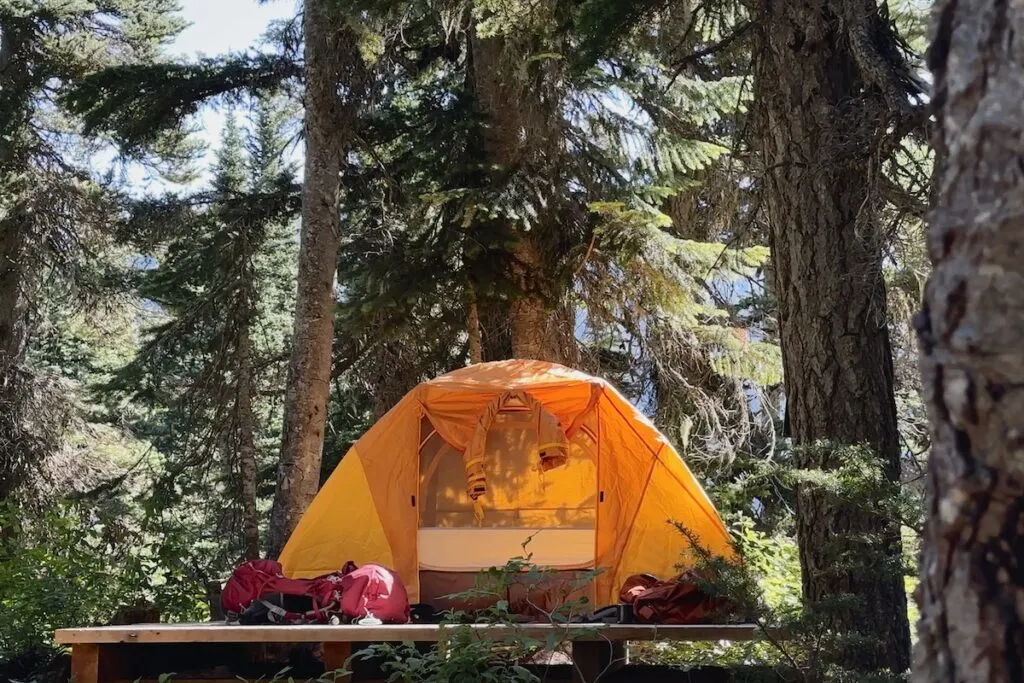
209	373
140	103
144	337
433	227
55	211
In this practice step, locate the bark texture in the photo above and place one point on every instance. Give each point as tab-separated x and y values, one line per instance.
476	349
518	126
15	83
972	356
20	453
13	303
333	77
495	329
16	457
823	112
247	455
534	321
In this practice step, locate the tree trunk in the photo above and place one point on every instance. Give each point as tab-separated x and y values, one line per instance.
332	65
972	358
13	303
247	464
820	125
495	329
476	348
13	338
533	321
518	125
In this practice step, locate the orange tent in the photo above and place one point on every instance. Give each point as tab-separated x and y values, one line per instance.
469	465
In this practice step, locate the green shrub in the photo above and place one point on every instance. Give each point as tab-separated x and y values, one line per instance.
75	565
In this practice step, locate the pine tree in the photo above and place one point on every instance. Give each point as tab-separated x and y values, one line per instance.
830	81
54	213
332	63
452	193
224	282
144	107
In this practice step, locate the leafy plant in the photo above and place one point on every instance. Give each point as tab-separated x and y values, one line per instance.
76	565
467	654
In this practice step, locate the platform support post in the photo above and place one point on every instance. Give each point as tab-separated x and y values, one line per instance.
85	663
595	659
335	655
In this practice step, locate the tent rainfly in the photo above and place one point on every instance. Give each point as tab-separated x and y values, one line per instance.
467	466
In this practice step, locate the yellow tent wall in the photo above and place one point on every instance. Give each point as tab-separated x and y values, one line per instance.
366	512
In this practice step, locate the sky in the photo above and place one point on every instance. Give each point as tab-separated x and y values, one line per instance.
220	26
217	27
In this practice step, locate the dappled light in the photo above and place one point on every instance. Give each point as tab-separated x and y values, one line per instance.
532	340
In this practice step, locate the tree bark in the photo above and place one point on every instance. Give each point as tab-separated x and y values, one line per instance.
821	119
972	358
17	274
13	303
333	91
533	322
476	348
13	340
495	329
14	83
518	126
247	454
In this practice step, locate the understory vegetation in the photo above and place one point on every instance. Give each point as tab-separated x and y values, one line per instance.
645	191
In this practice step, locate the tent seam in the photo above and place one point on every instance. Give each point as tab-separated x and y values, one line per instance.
629	422
636	513
484	388
657	456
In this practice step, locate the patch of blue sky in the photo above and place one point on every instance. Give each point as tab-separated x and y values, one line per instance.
216	27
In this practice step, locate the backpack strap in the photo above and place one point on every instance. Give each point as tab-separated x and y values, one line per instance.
275	613
318	615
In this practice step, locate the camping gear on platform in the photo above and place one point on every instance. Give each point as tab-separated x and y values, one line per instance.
679	600
646	599
372	593
620	613
258	593
469	466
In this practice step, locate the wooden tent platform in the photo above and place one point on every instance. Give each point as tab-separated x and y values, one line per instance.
111	654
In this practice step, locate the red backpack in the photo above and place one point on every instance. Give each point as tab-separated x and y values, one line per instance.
258	592
374	591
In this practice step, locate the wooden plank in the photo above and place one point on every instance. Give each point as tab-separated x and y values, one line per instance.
177	679
223	633
85	663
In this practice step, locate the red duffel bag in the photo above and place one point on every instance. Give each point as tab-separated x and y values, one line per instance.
259	592
679	600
